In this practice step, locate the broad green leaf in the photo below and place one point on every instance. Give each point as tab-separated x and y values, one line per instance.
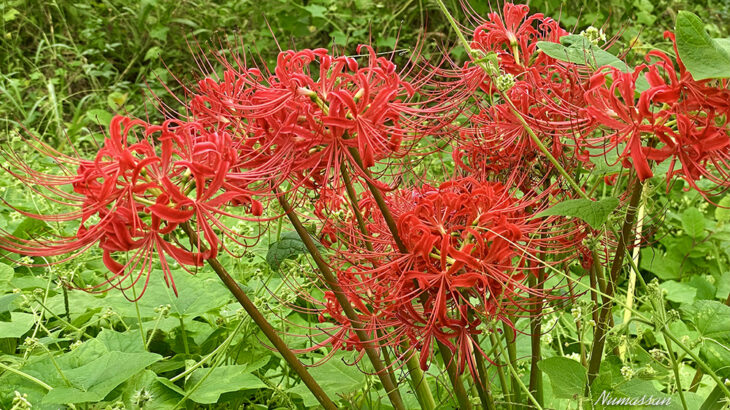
595	213
693	223
101	117
704	57
679	292
159	32
579	50
722	212
196	294
6	306
6	275
116	100
222	379
717	355
567	376
19	324
334	376
664	266
129	341
316	10
288	246
152	53
158	395
714	400
10	15
92	381
28	227
710	317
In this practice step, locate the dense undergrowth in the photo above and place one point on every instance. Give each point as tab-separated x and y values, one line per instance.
68	67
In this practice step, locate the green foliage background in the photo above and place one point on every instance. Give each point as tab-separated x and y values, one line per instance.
67	66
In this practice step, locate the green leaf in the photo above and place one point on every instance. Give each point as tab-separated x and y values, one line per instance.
152	53
711	320
679	292
10	15
6	275
595	213
579	50
333	376
710	317
722	212
28	227
693	223
221	380
316	10
19	324
704	57
91	382
288	246
6	305
159	32
567	376
116	100
98	116
196	294
665	267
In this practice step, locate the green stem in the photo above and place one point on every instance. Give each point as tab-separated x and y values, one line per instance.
599	337
516	377
513	109
26	376
483	384
699	362
154	329
536	342
500	372
262	323
675	368
184	336
222	347
139	315
423	391
355	321
461	396
393	228
509	339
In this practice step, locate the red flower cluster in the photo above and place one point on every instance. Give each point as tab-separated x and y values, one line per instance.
676	118
301	121
655	112
131	198
471	247
547	93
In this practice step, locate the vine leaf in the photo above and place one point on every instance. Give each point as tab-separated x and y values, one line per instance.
567	377
288	246
595	213
703	56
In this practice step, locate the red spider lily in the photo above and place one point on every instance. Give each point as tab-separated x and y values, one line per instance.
667	86
131	198
514	36
678	119
614	106
471	247
314	103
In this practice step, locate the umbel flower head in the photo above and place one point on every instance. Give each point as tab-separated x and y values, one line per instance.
471	246
129	200
300	122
